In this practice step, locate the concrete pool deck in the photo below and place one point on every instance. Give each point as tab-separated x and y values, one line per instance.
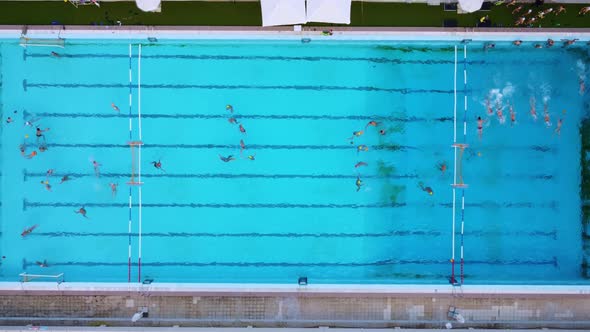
296	309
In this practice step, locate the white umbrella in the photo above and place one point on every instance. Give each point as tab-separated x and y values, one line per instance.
329	11
282	12
470	6
148	5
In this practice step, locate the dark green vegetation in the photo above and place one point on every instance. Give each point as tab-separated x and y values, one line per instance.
248	14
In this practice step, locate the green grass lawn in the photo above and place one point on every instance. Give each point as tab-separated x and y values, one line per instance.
248	14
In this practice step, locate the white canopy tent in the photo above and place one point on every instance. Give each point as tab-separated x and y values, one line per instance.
148	5
329	11
282	12
470	6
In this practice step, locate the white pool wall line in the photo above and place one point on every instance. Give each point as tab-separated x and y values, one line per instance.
287	33
323	289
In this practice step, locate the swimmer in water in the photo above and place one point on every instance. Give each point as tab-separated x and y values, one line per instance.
242	146
546	116
49	172
96	166
28	231
227	159
517	42
371	123
31	155
489	108
229	108
158	165
232	120
362	147
64	179
9	120
242	130
355	134
81	211
426	189
46	184
42	264
533	110
113	188
39	133
512	116
550	42
500	114
480	127
568	42
382	132
42	147
558	128
360	163
582	85
251	157
115	107
442	167
359	183
54	54
23	149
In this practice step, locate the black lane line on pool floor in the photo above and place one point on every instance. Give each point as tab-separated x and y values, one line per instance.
550	262
222	176
237	117
485	204
379	60
27	175
27	85
551	234
384	147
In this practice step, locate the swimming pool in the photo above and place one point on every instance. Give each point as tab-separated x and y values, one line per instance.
294	210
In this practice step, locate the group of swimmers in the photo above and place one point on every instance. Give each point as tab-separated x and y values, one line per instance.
363	148
502	119
233	120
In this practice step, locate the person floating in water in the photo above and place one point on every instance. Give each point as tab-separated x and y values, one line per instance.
96	166
359	183
480	123
158	165
242	146
42	264
64	179
31	155
372	124
28	231
39	133
426	189
115	107
558	128
46	184
362	147
82	211
113	188
442	167
242	130
229	108
360	163
227	159
354	135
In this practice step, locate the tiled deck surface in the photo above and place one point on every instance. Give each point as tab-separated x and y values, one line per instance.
297	310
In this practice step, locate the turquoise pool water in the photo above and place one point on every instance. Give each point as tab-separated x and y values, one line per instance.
294	210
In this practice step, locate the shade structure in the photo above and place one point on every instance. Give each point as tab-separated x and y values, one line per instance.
329	11
470	6
282	12
148	5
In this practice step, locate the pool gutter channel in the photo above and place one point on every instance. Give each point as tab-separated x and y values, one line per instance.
142	33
